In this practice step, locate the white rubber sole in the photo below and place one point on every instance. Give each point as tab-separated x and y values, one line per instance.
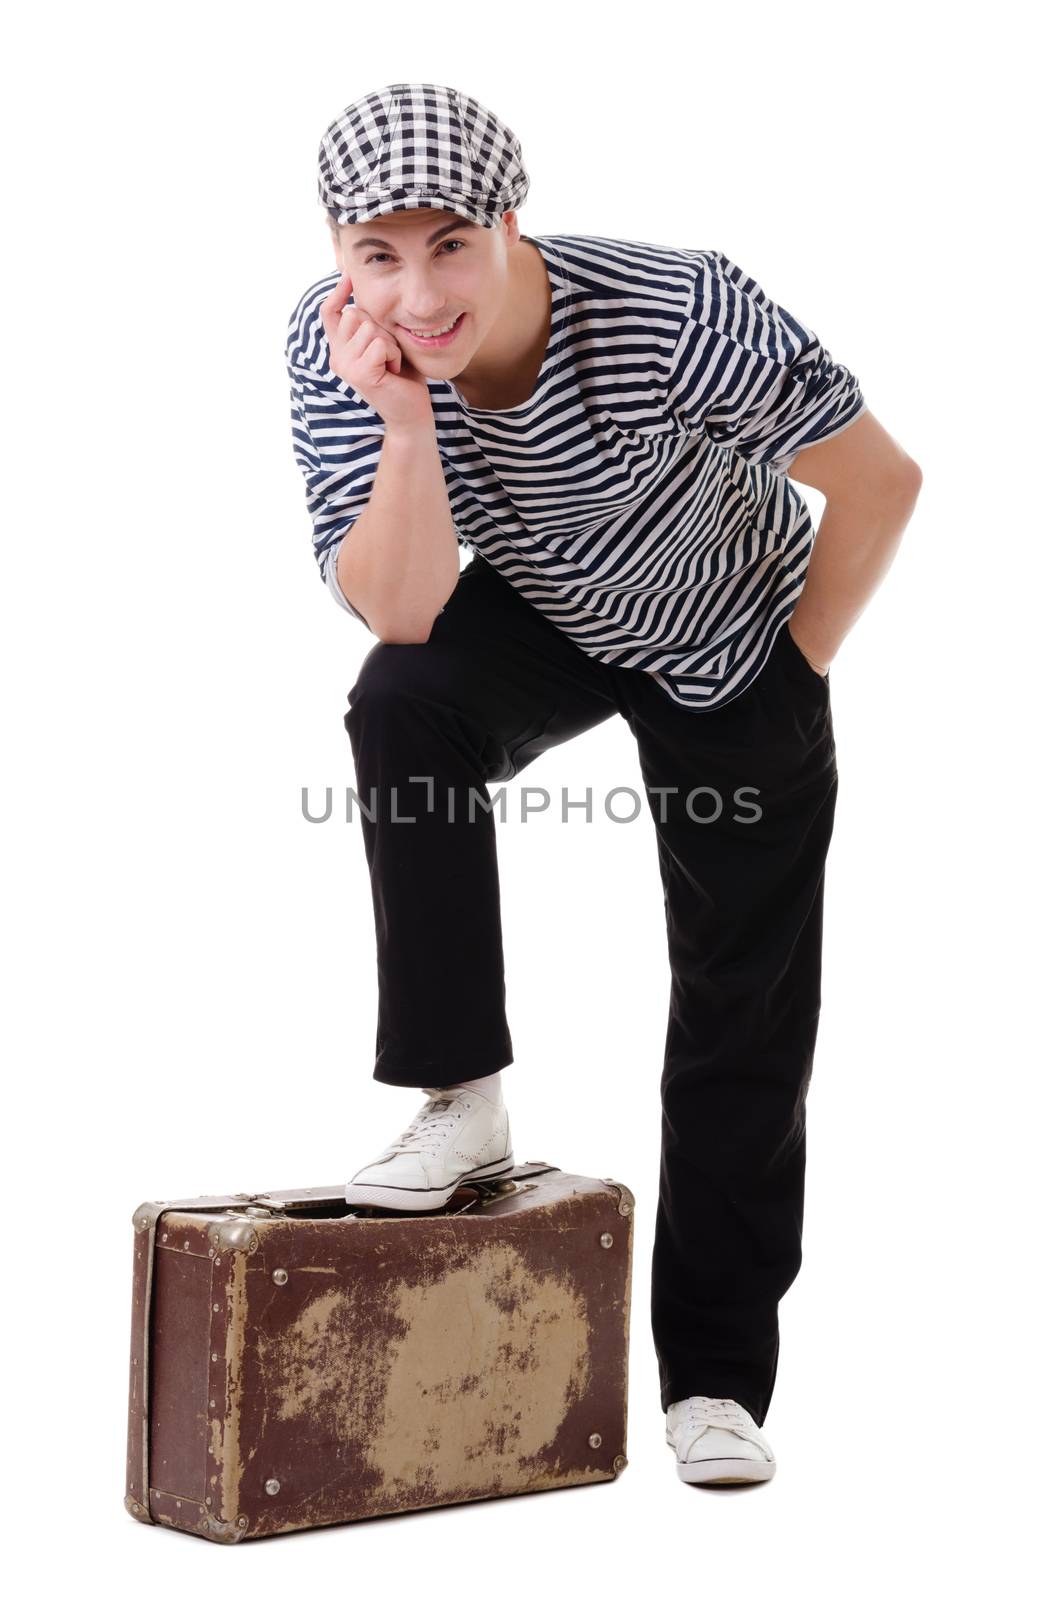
396	1198
726	1469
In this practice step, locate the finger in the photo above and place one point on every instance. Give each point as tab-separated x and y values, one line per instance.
366	335
350	319
337	296
378	354
334	304
343	329
361	337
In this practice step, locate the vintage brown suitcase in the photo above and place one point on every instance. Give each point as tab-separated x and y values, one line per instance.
297	1363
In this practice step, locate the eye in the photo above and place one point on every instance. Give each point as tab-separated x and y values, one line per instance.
380	255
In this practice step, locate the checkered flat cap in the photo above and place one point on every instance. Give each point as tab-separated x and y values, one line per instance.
415	146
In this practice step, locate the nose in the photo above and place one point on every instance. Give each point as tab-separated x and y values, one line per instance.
424	306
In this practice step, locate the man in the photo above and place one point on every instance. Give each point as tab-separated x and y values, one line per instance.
610	426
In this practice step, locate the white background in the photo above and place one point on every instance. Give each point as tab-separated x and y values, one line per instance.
191	965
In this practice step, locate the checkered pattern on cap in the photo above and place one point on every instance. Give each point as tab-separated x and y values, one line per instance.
413	146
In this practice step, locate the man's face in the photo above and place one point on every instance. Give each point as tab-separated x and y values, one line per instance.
417	270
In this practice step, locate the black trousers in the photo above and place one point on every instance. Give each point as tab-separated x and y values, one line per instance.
742	866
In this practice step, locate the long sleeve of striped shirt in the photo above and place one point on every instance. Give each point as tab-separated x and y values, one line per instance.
750	376
337	439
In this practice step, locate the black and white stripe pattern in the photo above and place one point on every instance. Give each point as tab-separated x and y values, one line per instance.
639	497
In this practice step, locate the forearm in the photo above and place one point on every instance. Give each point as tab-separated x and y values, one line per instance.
855	544
399	562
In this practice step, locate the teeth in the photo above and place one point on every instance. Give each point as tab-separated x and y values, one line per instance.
433	333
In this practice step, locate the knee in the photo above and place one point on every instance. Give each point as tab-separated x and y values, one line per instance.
394	677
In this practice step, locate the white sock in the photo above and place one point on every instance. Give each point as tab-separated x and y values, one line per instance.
491	1087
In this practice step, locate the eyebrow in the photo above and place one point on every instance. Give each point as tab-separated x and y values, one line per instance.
449	227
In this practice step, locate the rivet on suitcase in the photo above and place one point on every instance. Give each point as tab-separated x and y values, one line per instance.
296	1363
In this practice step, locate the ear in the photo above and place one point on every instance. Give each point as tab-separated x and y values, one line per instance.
513	232
335	240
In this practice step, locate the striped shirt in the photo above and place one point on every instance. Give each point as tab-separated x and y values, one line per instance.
639	497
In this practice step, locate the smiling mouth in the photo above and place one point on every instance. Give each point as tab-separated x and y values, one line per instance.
443	334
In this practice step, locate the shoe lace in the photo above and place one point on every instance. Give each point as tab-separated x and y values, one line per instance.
428	1127
703	1412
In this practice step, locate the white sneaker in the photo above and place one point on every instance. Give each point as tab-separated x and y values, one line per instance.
456	1137
717	1441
